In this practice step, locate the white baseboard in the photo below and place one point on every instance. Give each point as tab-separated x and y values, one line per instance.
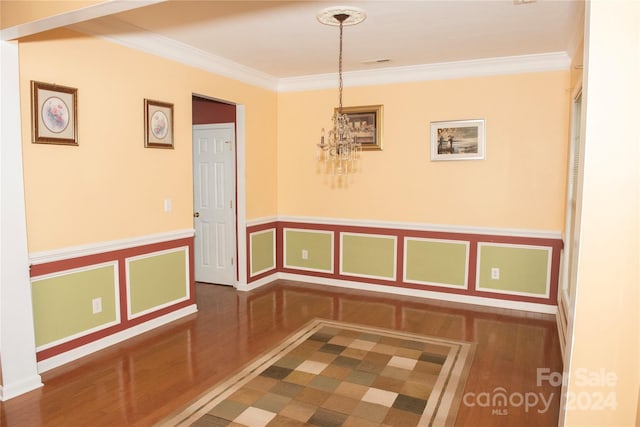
443	296
561	334
92	347
8	391
258	283
562	324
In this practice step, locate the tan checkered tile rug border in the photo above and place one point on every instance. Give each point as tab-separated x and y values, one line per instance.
440	407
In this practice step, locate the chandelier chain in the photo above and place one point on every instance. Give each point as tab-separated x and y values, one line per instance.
340	71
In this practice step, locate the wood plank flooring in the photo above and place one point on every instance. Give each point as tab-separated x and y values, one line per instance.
142	380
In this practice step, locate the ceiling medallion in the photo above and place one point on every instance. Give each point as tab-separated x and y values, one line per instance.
354	15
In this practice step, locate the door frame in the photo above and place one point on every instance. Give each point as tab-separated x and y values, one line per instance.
567	275
240	188
241	197
566	301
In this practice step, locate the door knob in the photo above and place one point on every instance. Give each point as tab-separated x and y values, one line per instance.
196	214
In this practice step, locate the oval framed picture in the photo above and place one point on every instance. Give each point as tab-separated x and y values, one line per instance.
55	114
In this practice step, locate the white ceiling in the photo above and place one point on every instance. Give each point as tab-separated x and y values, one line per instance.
284	40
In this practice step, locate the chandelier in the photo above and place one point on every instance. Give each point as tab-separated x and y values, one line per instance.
339	149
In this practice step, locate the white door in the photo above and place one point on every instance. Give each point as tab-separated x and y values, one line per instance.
214	203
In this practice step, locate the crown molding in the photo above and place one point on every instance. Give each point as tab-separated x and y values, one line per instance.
125	34
119	32
442	71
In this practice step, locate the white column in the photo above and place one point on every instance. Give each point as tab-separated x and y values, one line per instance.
604	353
17	342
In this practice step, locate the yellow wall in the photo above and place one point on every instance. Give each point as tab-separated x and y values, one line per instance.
606	327
521	184
110	187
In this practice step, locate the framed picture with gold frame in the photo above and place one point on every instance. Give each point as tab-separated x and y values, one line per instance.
366	125
158	124
54	114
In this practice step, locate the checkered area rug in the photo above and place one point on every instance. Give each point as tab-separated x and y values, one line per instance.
341	374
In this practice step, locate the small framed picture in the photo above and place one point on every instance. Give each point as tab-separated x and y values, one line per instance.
54	114
158	124
457	140
366	125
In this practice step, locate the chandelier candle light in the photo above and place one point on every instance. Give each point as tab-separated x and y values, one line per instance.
341	149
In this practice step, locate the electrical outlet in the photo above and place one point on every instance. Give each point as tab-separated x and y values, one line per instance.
305	254
96	304
495	273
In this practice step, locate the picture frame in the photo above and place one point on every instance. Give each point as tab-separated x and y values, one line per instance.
54	114
158	124
366	125
458	140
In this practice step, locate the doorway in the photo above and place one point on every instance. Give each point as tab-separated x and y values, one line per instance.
214	183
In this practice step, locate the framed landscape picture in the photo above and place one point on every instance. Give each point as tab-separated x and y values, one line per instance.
457	140
54	114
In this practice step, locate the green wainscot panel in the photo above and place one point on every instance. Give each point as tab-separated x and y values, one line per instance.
63	304
157	280
522	269
317	244
368	255
263	255
436	262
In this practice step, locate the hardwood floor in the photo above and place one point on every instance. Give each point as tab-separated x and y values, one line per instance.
142	380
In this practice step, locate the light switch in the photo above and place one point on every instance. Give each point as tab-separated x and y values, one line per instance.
167	205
